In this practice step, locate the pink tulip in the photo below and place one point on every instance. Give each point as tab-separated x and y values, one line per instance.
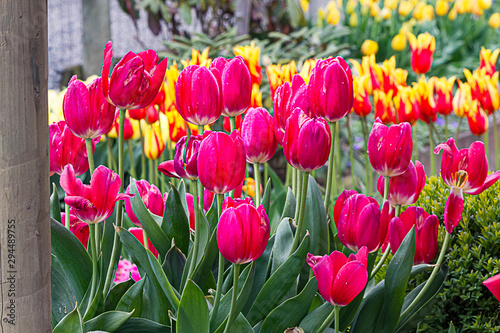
125	270
340	279
390	148
208	200
136	78
286	98
78	228
243	230
330	89
198	94
95	202
138	233
167	168
66	148
339	204
257	132
86	111
307	141
150	195
464	170
221	161
236	85
405	189
493	284
188	168
426	233
360	223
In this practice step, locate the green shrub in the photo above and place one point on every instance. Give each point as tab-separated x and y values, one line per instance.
473	257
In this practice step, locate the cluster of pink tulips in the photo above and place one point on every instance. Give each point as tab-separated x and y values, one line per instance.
214	164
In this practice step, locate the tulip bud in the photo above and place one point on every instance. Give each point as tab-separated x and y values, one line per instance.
330	89
236	85
399	42
243	231
86	111
493	283
257	132
198	93
405	189
340	279
360	223
362	106
444	94
478	119
307	141
369	47
442	7
153	142
494	21
221	161
186	157
390	148
150	195
136	78
422	50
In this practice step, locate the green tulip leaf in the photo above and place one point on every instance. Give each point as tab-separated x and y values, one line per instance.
266	198
315	219
108	321
132	299
55	208
116	293
63	295
193	311
136	325
175	222
72	322
173	266
282	244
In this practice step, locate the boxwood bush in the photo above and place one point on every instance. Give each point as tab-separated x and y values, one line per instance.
473	257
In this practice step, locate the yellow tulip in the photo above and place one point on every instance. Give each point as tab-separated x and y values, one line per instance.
405	8
391	4
374	10
428	13
484	4
353	20
197	58
385	13
494	21
305	5
351	6
399	42
369	47
442	7
452	16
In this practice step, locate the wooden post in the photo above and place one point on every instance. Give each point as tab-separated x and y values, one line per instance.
242	12
24	173
96	32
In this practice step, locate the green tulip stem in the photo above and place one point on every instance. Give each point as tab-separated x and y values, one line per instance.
446	126
486	140
196	245
337	318
90	155
387	182
133	172
152	173
334	315
256	172
232	122
119	214
143	155
495	136
220	274
302	208
415	141
337	158
111	156
94	260
431	151
460	119
288	175
435	271
233	313
145	239
351	151
331	179
67	220
266	172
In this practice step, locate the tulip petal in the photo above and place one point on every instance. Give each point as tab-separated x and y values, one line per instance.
106	67
453	209
397	233
490	180
167	168
493	284
349	282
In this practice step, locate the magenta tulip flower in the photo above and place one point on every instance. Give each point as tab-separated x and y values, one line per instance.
340	279
136	78
78	228
330	89
243	230
139	234
86	111
426	233
221	161
257	133
66	148
405	189
95	202
493	284
168	169
390	148
236	85
150	195
198	95
187	169
464	170
360	223
307	141
339	204
287	98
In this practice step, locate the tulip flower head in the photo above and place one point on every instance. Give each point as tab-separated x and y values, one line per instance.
426	233
250	54
464	170
186	156
478	119
243	230
257	132
493	284
405	188
462	100
369	47
390	148
198	94
399	42
384	106
406	106
484	89
426	101
279	74
340	279
135	80
307	141
488	58
86	111
167	168
422	50
150	195
153	142
125	270
221	161
95	202
362	106
236	85
66	148
330	89
444	94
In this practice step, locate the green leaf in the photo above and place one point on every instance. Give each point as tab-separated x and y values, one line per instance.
116	293
173	266
175	222
136	325
72	322
396	278
108	321
153	230
185	11
290	312
55	208
279	283
73	258
266	198
62	294
132	299
452	328
295	12
241	325
277	184
193	310
313	321
315	219
282	244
